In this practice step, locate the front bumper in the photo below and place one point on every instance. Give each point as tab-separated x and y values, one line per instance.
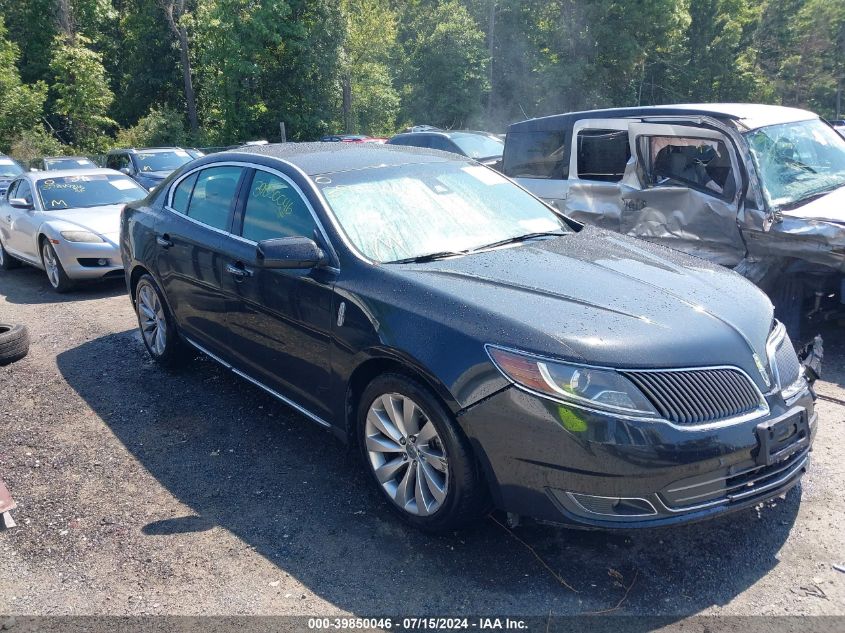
561	464
81	260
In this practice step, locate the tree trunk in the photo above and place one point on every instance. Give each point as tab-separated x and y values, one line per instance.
347	104
173	11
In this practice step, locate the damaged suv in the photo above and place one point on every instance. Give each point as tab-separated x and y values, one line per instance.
757	188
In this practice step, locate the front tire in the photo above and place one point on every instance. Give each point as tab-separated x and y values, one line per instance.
56	274
158	329
417	456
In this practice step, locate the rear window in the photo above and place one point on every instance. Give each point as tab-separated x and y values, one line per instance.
535	155
603	154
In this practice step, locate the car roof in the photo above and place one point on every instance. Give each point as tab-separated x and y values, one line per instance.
447	133
64	173
143	149
326	158
65	158
748	115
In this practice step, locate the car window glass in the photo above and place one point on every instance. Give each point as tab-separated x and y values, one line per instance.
213	195
535	155
603	154
703	164
275	209
11	191
182	193
24	191
443	144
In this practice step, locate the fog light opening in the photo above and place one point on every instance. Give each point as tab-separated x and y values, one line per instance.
614	506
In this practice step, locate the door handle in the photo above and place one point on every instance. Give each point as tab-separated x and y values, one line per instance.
164	241
238	271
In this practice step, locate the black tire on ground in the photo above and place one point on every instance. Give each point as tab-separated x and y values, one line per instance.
7	262
14	343
467	496
174	351
788	299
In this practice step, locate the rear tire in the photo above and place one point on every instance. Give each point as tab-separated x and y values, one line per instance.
417	456
158	328
7	262
14	343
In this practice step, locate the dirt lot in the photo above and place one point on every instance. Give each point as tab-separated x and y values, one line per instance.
142	491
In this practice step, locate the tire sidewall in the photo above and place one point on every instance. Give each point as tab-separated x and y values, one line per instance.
457	452
65	282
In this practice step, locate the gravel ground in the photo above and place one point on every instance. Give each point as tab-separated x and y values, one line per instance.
143	491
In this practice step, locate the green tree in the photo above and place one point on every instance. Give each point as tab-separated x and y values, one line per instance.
445	80
370	103
21	105
162	125
81	93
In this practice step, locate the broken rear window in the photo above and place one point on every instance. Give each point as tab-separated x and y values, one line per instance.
603	154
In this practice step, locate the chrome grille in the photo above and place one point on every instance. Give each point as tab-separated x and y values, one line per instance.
697	396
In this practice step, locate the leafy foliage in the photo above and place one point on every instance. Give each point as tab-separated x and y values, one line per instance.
21	105
161	126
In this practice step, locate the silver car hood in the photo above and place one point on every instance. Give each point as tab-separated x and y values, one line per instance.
830	208
103	220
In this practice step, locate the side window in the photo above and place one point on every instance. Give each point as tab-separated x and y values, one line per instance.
536	155
703	164
182	194
275	209
10	193
214	193
603	154
24	191
111	161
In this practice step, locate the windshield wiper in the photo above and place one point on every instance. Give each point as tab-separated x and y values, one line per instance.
430	257
518	238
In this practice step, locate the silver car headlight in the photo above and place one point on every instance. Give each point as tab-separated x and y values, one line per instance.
603	389
82	236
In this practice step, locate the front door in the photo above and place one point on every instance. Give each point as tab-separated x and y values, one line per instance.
280	321
23	224
189	238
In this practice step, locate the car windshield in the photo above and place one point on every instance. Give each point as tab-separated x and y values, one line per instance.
9	168
70	162
399	213
73	192
479	145
162	161
797	161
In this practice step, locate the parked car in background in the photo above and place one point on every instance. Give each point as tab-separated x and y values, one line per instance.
760	189
472	343
344	138
52	163
484	147
65	223
9	170
194	152
838	125
148	166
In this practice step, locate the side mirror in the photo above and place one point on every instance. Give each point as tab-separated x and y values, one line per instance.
126	170
289	253
34	169
21	203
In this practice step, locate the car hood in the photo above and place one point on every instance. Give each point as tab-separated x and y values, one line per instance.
830	207
604	299
103	220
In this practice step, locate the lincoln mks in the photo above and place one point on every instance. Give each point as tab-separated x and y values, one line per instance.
478	348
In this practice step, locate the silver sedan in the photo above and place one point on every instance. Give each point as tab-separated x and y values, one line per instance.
66	223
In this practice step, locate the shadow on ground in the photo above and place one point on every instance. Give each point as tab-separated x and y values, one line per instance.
31	287
244	462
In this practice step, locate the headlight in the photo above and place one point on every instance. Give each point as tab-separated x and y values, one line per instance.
81	236
597	388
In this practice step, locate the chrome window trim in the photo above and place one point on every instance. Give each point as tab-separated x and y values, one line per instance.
760	411
298	407
258	167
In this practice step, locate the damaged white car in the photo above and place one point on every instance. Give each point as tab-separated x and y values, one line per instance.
757	188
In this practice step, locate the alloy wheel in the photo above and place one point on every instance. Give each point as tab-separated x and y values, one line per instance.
153	322
51	264
407	454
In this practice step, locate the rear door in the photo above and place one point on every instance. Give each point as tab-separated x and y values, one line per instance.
690	191
189	242
280	321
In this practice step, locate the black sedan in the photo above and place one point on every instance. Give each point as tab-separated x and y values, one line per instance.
479	348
